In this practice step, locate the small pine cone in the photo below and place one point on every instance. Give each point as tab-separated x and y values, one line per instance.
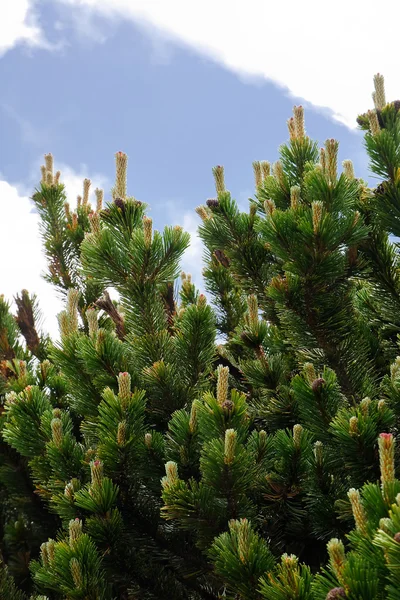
212	203
380	189
396	537
119	203
336	593
317	384
227	405
222	258
360	120
396	105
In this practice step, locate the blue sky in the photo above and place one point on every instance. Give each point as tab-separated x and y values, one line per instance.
85	82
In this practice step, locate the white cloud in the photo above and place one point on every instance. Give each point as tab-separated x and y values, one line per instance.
21	249
192	261
73	181
323	53
18	24
21	246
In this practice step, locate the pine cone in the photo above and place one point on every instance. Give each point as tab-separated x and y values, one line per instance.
336	593
212	203
396	537
362	120
380	189
317	384
120	204
227	405
222	258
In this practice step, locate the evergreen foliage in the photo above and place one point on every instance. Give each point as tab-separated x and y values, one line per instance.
140	459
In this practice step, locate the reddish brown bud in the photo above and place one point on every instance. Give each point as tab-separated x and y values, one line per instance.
212	203
222	258
228	405
317	384
119	203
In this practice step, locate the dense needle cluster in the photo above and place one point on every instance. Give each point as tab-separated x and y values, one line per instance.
140	458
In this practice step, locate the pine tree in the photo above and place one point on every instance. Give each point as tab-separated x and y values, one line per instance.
141	460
